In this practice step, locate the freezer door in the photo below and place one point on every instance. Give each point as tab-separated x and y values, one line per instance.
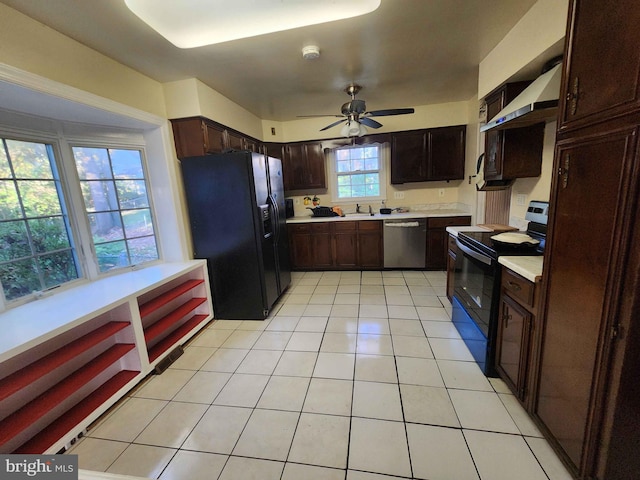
276	185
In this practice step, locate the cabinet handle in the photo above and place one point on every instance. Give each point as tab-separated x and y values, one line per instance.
563	171
572	96
514	285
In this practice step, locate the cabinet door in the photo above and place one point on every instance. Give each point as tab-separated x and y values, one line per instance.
446	153
409	157
346	249
190	137
451	269
512	352
273	150
322	241
314	164
370	250
436	250
215	139
235	141
591	184
300	247
602	70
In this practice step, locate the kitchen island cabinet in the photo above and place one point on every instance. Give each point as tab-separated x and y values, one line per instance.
587	399
347	245
428	155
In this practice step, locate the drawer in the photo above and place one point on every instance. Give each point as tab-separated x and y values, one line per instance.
299	228
443	222
370	225
518	287
345	226
321	227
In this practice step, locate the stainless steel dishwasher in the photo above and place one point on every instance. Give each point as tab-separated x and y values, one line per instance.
405	243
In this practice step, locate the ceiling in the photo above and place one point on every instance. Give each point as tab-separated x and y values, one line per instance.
404	54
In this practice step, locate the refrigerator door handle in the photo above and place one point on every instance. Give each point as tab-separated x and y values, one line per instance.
275	217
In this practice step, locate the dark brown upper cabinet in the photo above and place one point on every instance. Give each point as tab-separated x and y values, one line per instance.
303	166
516	152
428	155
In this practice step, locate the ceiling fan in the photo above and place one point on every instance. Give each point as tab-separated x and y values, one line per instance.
356	115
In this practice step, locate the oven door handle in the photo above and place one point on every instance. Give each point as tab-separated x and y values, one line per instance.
473	254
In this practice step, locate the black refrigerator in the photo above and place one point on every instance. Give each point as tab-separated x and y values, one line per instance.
237	215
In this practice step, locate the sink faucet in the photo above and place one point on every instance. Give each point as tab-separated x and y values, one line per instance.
357	208
370	211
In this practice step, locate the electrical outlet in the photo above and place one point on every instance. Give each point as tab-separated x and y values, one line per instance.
398	195
297	201
521	199
441	192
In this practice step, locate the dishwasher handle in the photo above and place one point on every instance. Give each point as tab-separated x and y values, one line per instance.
402	224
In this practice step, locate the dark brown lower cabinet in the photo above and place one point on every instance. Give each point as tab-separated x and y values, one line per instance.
437	243
340	245
517	320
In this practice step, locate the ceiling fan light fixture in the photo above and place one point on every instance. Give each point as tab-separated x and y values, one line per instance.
310	52
353	128
194	23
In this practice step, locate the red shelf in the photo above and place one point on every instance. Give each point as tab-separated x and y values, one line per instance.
164	344
165	323
166	297
40	406
32	372
76	414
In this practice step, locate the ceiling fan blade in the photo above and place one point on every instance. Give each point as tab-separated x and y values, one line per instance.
317	116
369	122
392	111
334	124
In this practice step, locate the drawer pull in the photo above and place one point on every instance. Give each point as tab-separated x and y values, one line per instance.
514	285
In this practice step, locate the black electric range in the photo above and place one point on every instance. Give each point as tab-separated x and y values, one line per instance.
476	283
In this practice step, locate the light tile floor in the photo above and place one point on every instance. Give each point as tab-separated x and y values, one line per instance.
355	376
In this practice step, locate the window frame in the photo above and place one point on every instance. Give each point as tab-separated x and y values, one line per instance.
73	202
383	153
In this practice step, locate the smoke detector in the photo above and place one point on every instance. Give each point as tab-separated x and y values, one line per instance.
310	52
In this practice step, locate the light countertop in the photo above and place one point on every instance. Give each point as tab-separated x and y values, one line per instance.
470	228
530	267
379	216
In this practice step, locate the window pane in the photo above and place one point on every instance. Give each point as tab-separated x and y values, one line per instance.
29	160
358	191
357	179
9	203
373	190
33	201
57	268
112	255
118	209
132	194
371	152
49	234
14	242
92	163
371	164
5	171
344	166
342	154
357	165
344	180
99	196
19	278
40	198
126	163
106	226
137	223
142	249
371	178
344	192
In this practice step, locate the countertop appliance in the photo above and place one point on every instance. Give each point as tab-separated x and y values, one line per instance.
405	243
476	280
237	215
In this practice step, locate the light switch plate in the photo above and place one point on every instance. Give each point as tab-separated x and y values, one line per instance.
398	195
521	199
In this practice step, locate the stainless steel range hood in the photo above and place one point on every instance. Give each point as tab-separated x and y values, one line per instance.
537	103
